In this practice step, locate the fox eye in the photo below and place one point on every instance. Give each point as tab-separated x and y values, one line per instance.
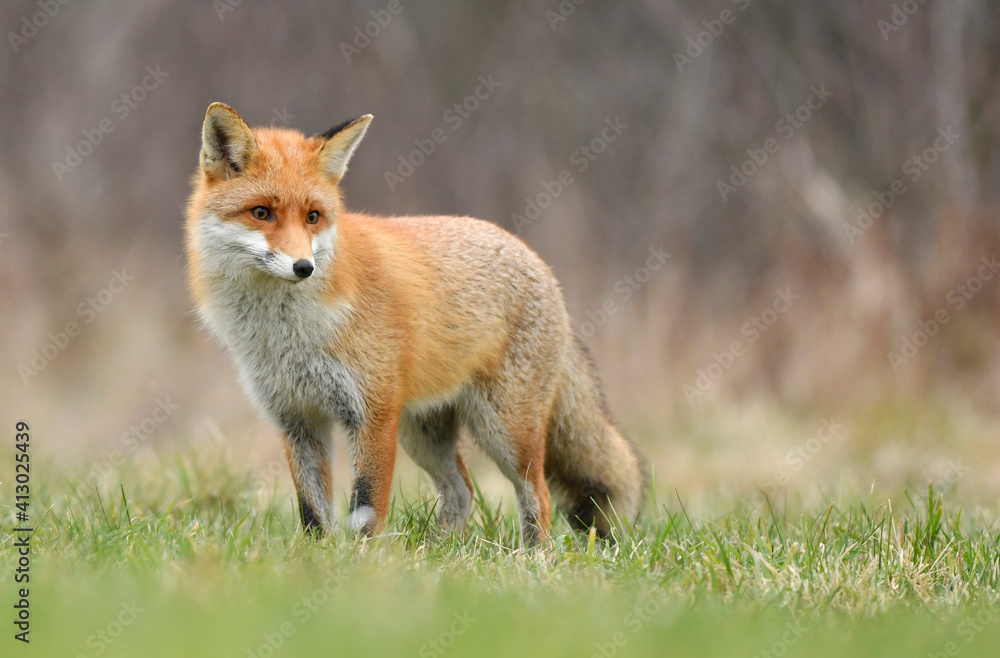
312	217
261	212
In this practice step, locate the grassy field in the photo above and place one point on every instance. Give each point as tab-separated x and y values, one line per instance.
186	556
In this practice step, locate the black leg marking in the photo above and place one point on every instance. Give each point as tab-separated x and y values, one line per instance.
362	495
311	522
591	504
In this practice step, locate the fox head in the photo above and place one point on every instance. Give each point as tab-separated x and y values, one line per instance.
266	200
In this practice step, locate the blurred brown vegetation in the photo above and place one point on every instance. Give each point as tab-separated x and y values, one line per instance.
656	184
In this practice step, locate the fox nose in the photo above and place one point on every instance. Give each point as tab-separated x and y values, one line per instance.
302	268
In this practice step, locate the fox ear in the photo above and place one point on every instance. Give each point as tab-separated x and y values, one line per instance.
341	141
227	144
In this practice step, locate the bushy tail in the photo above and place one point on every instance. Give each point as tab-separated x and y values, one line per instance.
596	474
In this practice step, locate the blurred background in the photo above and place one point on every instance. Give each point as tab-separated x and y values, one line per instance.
769	219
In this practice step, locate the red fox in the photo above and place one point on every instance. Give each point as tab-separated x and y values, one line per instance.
407	327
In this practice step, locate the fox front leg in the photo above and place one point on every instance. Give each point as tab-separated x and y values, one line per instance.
307	448
373	453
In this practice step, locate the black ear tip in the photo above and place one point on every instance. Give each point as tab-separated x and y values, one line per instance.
327	134
330	132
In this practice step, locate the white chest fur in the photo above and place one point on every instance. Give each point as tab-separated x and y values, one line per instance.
280	334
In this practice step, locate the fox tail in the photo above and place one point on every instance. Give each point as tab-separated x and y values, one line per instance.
595	473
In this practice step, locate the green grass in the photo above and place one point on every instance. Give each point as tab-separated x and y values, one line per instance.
199	562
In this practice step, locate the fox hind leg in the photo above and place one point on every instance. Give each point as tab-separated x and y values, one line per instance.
533	492
431	440
518	449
